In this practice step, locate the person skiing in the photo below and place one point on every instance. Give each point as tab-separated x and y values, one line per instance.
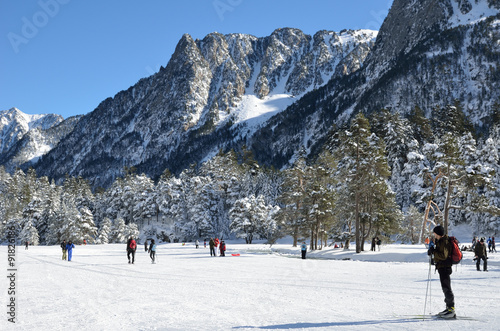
493	249
205	243
131	248
442	260
212	247
303	249
379	242
222	248
152	251
197	243
489	244
146	245
69	248
64	250
373	245
26	245
480	254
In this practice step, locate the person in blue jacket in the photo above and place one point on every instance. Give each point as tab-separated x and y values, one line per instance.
69	249
303	248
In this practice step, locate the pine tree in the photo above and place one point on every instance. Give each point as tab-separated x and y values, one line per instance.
364	171
104	231
119	231
29	233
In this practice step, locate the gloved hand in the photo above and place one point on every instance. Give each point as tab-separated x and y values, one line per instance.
430	251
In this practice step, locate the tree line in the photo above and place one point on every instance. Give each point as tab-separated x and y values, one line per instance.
381	175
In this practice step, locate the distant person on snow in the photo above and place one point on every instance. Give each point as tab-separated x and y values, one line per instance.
480	254
197	243
152	251
146	245
493	249
69	248
212	247
442	260
64	250
303	249
222	248
27	244
131	248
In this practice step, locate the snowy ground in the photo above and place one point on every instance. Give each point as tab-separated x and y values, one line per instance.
262	289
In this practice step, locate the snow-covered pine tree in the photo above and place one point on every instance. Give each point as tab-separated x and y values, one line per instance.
291	215
119	231
132	231
29	234
410	227
104	231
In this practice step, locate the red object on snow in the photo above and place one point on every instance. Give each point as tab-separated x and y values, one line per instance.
235	254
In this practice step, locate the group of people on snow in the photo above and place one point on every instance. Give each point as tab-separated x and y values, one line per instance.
132	248
214	244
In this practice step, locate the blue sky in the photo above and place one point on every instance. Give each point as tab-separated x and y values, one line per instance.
66	56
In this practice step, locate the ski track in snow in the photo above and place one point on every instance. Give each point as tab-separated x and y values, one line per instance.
263	289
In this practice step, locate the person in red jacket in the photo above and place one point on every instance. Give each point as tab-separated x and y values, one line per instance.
222	248
131	247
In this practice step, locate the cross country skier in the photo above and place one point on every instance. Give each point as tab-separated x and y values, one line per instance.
480	254
69	248
211	243
303	249
152	251
145	245
63	247
131	248
442	260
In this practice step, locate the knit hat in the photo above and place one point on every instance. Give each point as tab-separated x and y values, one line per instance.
439	230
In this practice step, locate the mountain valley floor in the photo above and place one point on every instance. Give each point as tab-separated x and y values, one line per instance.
264	288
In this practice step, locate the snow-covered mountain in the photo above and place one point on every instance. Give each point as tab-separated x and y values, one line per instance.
428	54
281	93
214	93
37	142
14	124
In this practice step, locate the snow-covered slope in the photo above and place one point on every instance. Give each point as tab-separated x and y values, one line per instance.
258	290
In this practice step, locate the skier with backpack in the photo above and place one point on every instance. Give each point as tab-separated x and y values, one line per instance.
480	254
443	251
152	251
131	248
222	248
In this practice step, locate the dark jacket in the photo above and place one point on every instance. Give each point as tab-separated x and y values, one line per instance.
442	257
480	249
211	243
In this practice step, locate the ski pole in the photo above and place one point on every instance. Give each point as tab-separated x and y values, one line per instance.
427	291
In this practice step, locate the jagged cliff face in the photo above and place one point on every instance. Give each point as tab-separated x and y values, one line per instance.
428	53
201	101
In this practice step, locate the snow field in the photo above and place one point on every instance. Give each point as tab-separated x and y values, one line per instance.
264	288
